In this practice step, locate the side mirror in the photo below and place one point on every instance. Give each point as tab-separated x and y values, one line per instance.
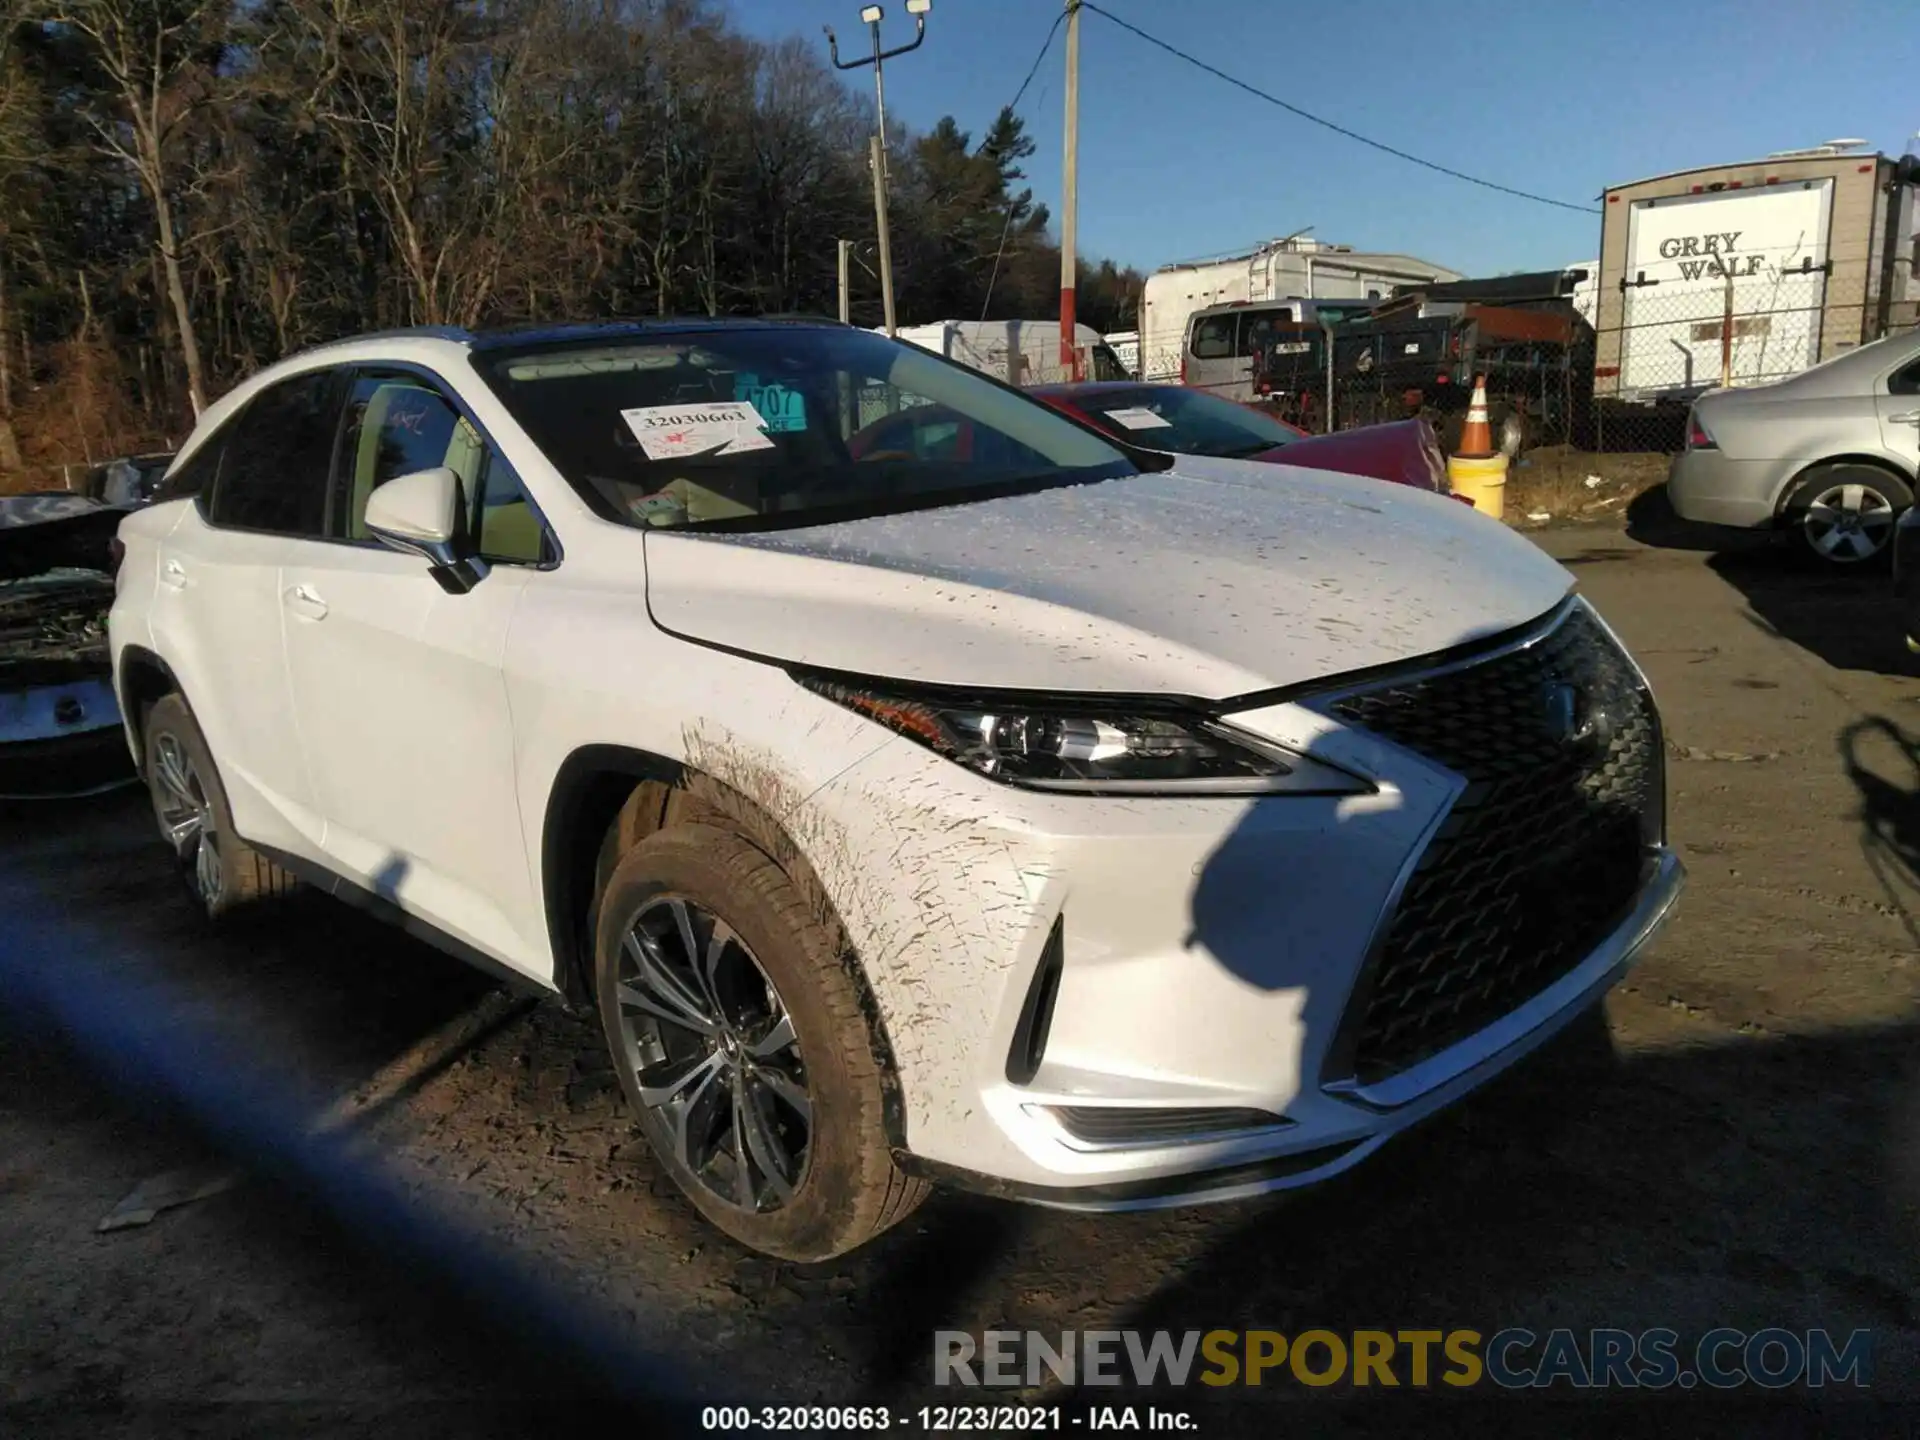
420	514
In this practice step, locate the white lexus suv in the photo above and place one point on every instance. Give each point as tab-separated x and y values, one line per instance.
979	802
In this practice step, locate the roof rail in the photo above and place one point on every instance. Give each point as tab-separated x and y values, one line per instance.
399	332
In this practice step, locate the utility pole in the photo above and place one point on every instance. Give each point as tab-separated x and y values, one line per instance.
846	295
871	15
1070	201
879	162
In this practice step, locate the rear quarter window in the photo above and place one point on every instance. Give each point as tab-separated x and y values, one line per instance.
279	457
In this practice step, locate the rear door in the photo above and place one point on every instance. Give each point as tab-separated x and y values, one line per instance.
262	488
401	698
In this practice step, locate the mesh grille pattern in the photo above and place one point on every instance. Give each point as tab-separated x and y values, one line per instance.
1541	856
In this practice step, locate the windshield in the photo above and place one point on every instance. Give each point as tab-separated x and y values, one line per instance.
1182	421
771	426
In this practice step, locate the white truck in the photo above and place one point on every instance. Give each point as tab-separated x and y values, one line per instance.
1741	274
1296	268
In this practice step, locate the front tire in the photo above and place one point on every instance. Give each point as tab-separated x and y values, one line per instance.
741	1044
1844	514
221	871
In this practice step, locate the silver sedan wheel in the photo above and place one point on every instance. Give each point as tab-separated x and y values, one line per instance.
714	1050
1849	522
186	816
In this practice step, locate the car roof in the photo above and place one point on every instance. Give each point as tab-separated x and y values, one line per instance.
433	342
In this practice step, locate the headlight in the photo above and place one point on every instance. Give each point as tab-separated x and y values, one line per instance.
1042	745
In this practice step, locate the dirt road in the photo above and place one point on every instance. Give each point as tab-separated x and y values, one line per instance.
1749	1155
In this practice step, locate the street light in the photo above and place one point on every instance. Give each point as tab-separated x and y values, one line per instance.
870	16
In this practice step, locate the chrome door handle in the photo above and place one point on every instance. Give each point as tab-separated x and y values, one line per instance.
173	575
1912	417
304	600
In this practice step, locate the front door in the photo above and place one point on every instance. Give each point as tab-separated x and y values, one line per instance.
1899	411
399	688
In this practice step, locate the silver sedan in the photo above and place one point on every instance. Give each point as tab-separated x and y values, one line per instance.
1832	452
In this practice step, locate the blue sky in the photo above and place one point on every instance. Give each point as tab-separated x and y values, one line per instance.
1560	97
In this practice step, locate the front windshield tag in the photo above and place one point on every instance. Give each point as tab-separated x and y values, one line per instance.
1136	417
725	427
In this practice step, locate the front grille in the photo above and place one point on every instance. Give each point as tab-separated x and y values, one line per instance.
1542	854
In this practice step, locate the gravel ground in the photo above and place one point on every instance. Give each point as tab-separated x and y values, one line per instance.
1747	1154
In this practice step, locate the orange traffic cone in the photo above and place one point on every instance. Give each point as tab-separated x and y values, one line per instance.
1477	470
1476	437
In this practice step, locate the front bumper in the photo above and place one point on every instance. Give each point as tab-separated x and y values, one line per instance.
1200	957
1284	1161
62	741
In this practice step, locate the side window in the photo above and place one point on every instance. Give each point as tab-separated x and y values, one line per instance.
1256	333
398	423
273	475
1213	338
1905	381
507	525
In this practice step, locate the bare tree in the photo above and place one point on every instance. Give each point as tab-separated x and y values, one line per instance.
190	188
155	57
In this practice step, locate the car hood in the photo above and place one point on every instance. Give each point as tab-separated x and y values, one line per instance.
1212	579
55	531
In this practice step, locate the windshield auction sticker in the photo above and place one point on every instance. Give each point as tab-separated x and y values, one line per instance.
672	432
1137	418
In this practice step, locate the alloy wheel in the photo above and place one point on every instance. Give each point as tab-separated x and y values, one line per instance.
1848	523
715	1054
186	817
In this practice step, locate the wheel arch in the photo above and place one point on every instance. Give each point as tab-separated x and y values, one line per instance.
607	798
1801	476
142	678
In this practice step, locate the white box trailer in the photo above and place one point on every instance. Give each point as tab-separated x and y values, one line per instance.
1808	254
1298	268
1020	352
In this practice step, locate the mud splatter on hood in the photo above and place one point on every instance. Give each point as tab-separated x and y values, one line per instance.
1214	578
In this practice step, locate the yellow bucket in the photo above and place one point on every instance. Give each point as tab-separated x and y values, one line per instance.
1482	481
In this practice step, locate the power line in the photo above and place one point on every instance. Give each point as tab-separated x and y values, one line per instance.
1014	105
1034	69
1328	124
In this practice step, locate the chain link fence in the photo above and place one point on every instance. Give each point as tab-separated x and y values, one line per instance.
1623	385
1732	320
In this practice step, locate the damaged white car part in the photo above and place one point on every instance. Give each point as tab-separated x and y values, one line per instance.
915	783
59	722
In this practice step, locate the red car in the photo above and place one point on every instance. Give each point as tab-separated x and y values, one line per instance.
1194	422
